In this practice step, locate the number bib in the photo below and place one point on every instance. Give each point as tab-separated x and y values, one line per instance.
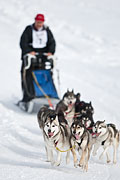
39	38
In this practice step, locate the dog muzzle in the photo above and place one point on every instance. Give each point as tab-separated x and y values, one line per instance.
77	137
50	134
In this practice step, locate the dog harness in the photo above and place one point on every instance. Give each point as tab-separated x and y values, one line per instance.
79	144
62	150
82	138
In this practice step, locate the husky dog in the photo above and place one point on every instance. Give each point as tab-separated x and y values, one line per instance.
42	115
84	113
56	136
82	107
82	140
106	135
67	106
87	121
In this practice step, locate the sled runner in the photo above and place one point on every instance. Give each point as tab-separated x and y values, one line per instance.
38	83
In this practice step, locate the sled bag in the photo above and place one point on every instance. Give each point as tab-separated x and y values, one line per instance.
45	81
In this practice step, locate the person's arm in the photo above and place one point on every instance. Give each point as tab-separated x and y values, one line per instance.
25	41
51	42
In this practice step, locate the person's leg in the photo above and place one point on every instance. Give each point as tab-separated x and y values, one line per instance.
26	84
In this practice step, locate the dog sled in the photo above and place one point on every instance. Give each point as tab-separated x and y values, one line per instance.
40	82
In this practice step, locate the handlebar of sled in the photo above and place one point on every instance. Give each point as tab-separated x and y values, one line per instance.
39	58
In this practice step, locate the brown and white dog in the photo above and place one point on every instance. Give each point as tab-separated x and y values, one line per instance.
82	140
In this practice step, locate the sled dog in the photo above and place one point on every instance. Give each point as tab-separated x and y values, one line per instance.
106	135
56	136
82	107
82	140
87	121
67	106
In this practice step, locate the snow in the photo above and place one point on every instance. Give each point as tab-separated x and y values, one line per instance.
88	50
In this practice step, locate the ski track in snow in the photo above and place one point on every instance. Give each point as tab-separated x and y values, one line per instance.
88	52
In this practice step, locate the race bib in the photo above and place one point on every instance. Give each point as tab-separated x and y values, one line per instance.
39	39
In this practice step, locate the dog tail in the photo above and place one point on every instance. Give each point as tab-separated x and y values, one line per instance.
119	135
118	138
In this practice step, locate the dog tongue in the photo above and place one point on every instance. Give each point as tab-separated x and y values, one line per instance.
50	134
95	134
77	136
70	105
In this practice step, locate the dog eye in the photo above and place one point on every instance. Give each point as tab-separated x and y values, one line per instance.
100	127
52	117
47	125
53	125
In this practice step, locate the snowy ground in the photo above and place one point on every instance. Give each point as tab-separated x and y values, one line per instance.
88	50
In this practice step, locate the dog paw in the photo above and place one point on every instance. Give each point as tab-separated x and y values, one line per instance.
85	168
108	161
55	163
75	165
80	165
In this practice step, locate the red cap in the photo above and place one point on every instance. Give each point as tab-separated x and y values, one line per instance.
40	17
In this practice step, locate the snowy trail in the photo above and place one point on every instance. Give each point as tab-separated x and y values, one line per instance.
23	147
88	51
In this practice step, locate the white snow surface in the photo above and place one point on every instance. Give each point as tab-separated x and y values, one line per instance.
87	33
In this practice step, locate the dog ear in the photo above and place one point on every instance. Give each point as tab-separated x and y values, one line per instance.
56	120
78	95
67	90
104	121
73	91
90	103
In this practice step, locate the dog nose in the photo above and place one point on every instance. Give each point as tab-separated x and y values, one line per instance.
70	102
49	130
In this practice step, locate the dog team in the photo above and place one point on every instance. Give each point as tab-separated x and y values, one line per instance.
71	128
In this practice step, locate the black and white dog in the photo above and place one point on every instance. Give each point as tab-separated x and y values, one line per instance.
84	113
66	107
83	107
87	121
106	135
56	136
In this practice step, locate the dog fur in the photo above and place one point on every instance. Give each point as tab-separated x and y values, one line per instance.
106	135
87	121
55	135
66	107
82	140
